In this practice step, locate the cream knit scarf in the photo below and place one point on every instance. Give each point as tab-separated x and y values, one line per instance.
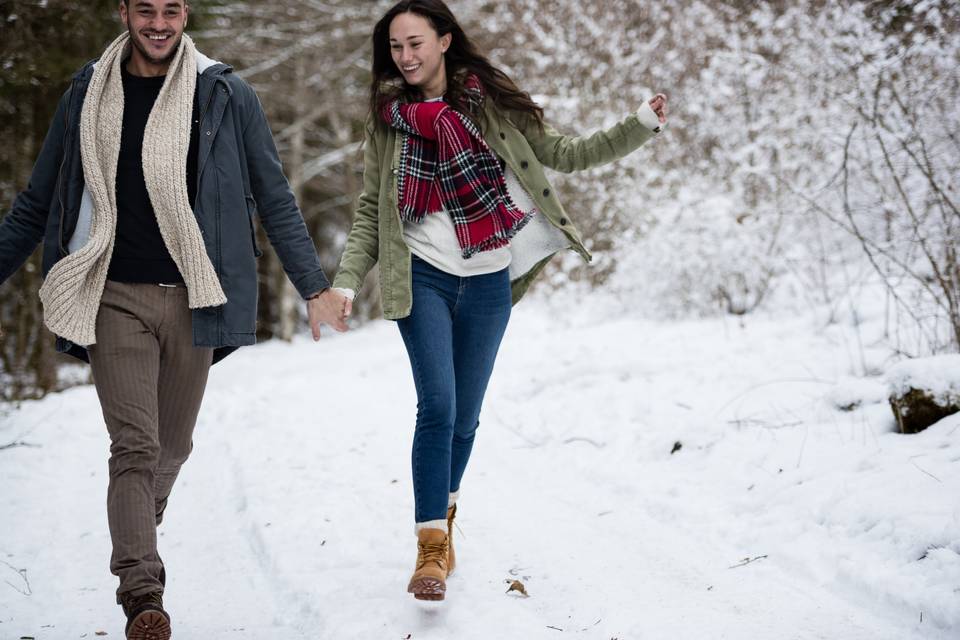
73	288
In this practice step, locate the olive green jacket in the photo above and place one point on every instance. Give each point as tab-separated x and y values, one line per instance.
377	232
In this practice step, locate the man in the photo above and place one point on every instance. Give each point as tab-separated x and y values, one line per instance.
143	195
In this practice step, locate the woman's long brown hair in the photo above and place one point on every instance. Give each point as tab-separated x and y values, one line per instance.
461	59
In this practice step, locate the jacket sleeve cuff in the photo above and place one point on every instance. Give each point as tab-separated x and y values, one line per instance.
648	117
350	294
344	283
313	285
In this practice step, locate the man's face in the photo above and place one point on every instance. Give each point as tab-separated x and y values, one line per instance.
155	27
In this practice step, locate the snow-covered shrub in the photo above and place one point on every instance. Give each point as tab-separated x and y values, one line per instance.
896	178
701	257
924	391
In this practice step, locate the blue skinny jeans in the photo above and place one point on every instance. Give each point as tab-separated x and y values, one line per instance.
452	336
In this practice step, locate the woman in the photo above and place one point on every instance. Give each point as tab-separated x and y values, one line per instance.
458	212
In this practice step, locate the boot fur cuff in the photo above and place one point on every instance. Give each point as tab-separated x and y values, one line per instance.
431	524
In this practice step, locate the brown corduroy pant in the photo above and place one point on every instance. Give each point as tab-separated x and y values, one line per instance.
150	380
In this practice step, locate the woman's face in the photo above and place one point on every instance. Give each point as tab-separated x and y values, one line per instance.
417	51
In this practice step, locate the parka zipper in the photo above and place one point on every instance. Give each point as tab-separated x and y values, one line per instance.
63	161
203	114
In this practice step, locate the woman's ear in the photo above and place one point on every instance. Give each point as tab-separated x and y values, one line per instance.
445	42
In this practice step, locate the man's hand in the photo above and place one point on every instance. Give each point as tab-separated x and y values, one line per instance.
327	308
659	105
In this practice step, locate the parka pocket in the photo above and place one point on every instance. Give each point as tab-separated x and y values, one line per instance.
251	212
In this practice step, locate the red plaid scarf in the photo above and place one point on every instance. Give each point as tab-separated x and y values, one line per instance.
445	164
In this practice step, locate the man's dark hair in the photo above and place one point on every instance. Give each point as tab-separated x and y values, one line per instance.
126	3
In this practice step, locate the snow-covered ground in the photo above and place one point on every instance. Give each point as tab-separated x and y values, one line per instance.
780	516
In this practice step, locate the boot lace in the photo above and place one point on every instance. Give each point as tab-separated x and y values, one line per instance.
432	552
154	599
451	514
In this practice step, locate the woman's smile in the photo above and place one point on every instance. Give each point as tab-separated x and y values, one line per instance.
410	70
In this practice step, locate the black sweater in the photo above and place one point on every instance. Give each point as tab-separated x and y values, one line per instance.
139	253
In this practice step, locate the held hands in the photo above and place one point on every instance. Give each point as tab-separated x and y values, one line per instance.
659	105
329	307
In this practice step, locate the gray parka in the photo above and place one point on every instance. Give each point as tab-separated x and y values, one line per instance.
238	175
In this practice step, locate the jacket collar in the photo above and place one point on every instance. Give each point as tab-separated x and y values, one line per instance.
209	66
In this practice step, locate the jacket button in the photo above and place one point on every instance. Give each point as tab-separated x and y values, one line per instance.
208	132
503	136
546	193
563	222
396	171
524	164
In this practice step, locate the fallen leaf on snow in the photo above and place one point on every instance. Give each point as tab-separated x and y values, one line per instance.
516	585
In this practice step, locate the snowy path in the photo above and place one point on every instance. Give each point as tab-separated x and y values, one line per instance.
293	517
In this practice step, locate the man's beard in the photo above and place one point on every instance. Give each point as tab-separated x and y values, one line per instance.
146	54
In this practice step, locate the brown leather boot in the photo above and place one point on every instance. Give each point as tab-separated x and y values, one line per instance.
146	619
451	556
429	581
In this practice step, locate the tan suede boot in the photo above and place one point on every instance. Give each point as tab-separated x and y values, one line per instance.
429	581
451	556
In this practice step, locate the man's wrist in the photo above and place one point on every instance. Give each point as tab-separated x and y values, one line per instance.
318	294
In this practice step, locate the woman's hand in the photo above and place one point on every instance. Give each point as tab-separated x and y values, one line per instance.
659	105
329	308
